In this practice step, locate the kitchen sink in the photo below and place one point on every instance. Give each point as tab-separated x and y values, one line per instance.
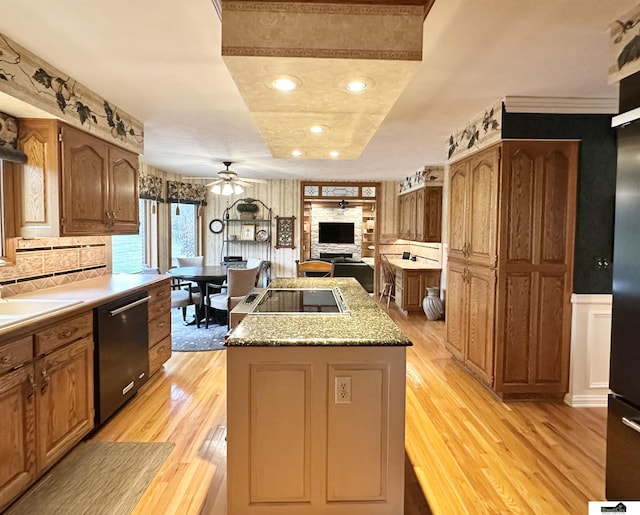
13	311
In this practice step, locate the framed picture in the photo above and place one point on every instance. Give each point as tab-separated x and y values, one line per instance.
285	226
248	232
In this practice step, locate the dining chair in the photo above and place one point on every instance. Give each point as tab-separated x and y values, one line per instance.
190	261
182	294
240	282
257	264
388	280
314	268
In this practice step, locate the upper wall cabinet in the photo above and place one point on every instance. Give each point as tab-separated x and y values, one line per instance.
420	214
74	184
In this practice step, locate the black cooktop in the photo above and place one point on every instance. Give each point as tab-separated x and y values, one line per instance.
300	300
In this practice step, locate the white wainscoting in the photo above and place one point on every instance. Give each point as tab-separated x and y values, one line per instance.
590	350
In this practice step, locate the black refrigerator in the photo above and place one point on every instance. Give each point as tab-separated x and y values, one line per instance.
623	422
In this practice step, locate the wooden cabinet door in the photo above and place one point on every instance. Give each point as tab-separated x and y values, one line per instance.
432	214
458	210
456	309
414	291
420	215
407	215
410	232
17	433
482	207
64	400
85	190
536	263
37	180
480	346
123	191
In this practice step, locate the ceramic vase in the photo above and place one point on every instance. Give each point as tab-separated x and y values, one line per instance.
432	304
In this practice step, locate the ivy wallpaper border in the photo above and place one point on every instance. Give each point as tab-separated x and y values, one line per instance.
26	77
480	131
624	44
430	174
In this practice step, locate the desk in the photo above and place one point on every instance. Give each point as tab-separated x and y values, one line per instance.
201	275
412	280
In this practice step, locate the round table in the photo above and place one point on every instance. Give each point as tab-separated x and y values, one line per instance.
201	275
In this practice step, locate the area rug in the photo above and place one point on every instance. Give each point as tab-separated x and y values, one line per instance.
189	338
97	478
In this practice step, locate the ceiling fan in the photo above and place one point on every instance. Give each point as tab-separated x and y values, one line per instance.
228	182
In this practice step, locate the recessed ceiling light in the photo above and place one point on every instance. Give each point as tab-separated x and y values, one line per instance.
296	153
286	83
356	86
334	153
317	129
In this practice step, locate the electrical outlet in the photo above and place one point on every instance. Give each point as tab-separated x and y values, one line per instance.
343	390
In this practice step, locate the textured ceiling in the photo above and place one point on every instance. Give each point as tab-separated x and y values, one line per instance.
161	61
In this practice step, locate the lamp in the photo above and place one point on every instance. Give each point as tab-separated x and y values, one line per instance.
238	189
216	189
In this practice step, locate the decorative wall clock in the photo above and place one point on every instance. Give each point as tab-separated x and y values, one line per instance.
216	225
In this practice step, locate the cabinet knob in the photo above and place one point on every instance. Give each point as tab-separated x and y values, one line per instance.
5	359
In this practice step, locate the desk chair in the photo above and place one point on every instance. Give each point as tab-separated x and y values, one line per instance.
388	280
314	268
240	282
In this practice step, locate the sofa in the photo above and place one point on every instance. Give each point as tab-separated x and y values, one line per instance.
352	267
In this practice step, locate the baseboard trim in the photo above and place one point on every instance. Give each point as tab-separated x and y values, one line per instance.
587	401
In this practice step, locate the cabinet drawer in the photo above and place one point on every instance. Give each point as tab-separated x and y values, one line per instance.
64	332
159	307
159	294
159	328
16	353
158	354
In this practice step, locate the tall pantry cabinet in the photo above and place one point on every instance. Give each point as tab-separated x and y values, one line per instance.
510	267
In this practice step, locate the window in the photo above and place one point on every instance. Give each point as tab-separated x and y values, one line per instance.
130	252
185	233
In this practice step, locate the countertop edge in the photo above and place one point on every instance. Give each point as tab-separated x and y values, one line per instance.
87	291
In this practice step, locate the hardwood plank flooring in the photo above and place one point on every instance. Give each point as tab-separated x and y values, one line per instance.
467	452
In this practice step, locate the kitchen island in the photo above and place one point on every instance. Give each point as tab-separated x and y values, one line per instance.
315	409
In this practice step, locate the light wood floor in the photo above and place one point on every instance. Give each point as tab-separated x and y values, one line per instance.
468	453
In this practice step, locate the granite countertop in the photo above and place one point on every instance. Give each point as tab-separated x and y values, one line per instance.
90	293
366	325
407	264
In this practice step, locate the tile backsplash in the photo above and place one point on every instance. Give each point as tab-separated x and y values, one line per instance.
47	262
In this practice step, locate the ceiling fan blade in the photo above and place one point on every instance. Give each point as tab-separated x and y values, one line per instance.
217	181
257	181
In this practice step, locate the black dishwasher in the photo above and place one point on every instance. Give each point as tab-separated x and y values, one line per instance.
121	356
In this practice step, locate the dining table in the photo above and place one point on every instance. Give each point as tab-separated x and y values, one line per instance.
202	276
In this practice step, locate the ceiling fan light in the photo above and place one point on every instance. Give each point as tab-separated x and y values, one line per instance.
227	189
216	189
238	189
